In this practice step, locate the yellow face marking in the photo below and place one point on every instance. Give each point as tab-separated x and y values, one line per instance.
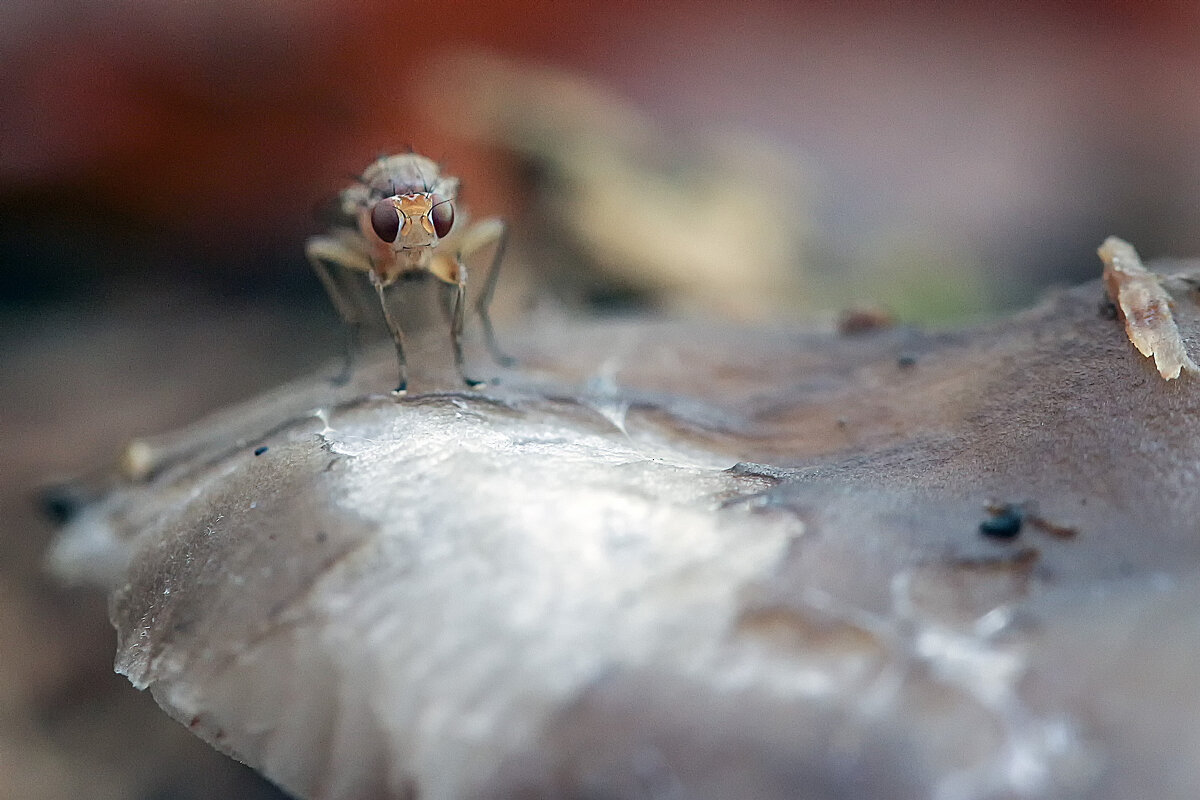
415	206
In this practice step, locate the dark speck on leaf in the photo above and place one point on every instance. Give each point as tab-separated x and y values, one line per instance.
60	504
1004	522
258	451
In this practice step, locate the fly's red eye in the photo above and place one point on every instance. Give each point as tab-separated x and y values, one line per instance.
443	215
385	220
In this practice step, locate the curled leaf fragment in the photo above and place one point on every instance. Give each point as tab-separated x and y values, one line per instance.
1146	308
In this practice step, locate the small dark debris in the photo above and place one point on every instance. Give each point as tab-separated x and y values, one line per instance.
258	451
856	321
322	537
1003	522
60	504
749	469
1107	309
906	361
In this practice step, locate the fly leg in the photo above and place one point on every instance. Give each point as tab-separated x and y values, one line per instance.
397	334
458	309
453	273
322	251
492	231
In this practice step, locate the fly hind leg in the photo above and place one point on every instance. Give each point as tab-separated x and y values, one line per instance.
323	251
485	233
454	274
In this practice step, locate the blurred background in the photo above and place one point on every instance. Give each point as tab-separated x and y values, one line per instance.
162	163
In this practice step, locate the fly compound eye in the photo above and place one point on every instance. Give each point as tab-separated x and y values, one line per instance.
385	221
442	214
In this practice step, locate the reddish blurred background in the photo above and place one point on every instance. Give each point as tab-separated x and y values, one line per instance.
160	164
150	138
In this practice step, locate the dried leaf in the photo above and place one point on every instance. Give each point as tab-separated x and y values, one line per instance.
657	549
1145	306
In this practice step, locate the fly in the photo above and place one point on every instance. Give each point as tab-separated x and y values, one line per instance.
403	219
